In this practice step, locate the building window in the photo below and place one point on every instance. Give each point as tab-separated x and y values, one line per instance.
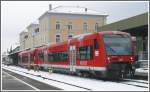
57	25
36	30
85	27
57	38
70	26
70	36
26	36
96	27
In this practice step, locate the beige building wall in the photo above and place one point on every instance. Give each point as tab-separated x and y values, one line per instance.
33	31
28	40
23	40
47	26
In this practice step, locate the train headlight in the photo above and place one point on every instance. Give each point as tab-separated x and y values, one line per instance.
108	59
131	58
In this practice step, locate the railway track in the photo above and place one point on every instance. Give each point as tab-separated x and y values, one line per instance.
135	83
138	83
132	82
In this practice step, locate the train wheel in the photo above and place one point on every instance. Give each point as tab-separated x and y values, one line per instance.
129	73
36	68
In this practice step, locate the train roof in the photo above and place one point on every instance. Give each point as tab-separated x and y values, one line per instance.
113	32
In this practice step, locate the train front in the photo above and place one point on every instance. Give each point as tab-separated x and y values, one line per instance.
119	54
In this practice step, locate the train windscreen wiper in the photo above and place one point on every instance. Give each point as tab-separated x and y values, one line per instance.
111	48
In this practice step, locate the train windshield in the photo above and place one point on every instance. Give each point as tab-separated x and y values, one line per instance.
117	44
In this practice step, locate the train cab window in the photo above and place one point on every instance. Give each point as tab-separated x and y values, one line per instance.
96	46
85	53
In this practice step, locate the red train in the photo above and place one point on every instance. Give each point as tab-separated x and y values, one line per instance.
106	54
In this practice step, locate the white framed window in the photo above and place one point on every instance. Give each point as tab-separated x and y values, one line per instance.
96	27
70	36
57	25
85	26
26	36
58	38
36	30
70	26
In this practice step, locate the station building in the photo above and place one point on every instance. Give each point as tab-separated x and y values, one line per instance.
28	39
59	24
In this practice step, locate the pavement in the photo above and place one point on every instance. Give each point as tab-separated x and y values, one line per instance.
13	81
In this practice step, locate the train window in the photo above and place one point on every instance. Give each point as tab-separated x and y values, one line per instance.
85	53
41	55
19	58
50	57
64	56
96	46
25	59
57	56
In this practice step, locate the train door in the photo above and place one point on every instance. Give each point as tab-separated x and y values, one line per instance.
72	55
29	61
21	59
45	57
45	64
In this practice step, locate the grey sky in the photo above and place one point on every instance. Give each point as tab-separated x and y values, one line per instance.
16	16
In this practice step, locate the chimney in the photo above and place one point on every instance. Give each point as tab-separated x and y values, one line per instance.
85	9
50	7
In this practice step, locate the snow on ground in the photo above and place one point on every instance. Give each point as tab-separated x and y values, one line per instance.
93	84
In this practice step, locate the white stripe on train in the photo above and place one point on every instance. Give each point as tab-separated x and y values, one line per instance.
76	67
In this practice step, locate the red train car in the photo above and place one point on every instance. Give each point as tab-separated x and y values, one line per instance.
108	53
31	58
26	58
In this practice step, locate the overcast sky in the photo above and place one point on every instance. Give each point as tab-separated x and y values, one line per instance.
17	15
